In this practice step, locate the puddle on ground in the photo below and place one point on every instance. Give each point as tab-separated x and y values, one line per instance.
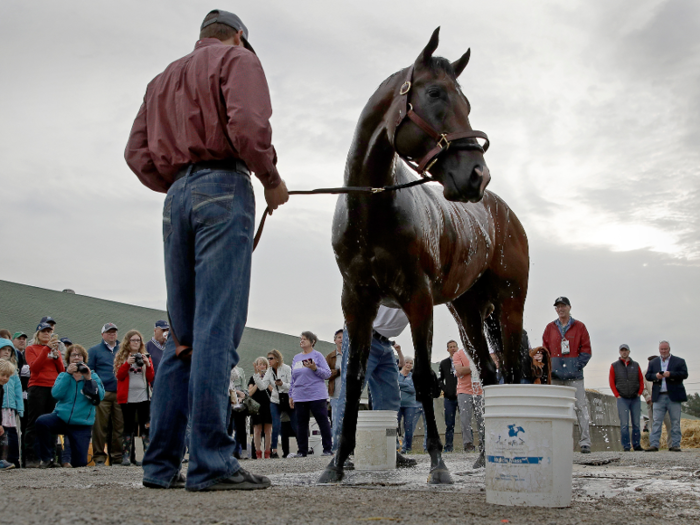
405	479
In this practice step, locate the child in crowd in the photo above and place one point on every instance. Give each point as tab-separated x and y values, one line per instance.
8	425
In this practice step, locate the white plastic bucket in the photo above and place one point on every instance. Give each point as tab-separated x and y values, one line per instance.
529	444
375	444
315	442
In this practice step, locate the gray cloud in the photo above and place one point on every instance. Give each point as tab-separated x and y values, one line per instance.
592	111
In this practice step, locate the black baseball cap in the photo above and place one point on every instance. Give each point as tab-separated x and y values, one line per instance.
231	20
43	326
66	341
563	300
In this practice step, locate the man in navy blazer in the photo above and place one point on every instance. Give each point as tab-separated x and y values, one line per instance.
667	372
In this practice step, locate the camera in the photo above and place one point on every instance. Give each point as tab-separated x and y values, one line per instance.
81	368
138	359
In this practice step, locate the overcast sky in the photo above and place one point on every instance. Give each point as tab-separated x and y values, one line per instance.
592	109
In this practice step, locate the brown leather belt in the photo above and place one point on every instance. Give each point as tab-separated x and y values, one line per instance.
227	164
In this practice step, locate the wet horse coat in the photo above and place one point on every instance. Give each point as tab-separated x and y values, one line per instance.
457	244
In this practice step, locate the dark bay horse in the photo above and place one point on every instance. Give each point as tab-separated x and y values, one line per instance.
416	248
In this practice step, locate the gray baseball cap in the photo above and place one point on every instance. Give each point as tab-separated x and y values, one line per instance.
624	347
231	20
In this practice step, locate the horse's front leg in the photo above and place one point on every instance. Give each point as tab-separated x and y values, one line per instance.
359	317
420	314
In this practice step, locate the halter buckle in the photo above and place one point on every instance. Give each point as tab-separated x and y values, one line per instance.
405	88
377	190
443	143
430	165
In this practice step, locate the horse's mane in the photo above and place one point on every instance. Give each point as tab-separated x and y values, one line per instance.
437	65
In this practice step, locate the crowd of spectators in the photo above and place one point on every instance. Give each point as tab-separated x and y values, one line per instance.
58	398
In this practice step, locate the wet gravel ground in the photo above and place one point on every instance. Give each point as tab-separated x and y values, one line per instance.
608	487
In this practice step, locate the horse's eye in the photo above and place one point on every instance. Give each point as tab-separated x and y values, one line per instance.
434	93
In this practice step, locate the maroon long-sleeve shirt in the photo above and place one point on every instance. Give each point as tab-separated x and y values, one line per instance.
213	104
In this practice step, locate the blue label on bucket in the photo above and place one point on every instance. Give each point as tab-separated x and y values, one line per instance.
523	460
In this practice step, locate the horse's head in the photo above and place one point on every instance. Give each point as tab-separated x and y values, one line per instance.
429	126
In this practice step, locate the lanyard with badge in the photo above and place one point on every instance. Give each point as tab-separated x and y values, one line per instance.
565	349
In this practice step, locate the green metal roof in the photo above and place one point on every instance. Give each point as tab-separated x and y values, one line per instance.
80	318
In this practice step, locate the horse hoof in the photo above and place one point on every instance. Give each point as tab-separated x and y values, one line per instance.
480	462
331	475
440	476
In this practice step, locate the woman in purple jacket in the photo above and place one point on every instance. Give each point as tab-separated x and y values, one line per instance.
308	393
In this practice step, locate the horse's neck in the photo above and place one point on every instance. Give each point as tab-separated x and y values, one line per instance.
372	160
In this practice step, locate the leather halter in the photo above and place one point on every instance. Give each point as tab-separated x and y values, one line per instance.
443	140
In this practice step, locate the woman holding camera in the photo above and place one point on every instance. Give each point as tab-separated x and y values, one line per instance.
77	392
46	363
134	371
308	393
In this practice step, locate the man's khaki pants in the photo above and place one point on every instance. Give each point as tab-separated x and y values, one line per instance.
106	410
580	407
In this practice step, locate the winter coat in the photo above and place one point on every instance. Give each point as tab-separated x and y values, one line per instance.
540	373
101	360
12	391
123	380
44	369
568	366
75	399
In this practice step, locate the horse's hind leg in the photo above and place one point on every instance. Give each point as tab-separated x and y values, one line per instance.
359	315
420	314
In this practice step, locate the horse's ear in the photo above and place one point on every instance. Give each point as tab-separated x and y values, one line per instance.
430	48
460	64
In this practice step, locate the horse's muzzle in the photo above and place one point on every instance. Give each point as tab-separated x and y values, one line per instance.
467	189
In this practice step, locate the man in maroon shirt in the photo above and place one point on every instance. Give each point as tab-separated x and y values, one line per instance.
202	128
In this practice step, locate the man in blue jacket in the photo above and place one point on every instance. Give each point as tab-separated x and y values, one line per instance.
667	373
101	360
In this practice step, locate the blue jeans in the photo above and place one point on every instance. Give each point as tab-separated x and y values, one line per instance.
382	375
66	456
625	408
49	425
208	223
276	424
450	415
663	404
410	416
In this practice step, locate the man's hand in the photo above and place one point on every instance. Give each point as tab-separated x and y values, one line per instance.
276	197
659	375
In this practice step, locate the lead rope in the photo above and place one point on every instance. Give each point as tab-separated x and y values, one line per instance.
338	191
